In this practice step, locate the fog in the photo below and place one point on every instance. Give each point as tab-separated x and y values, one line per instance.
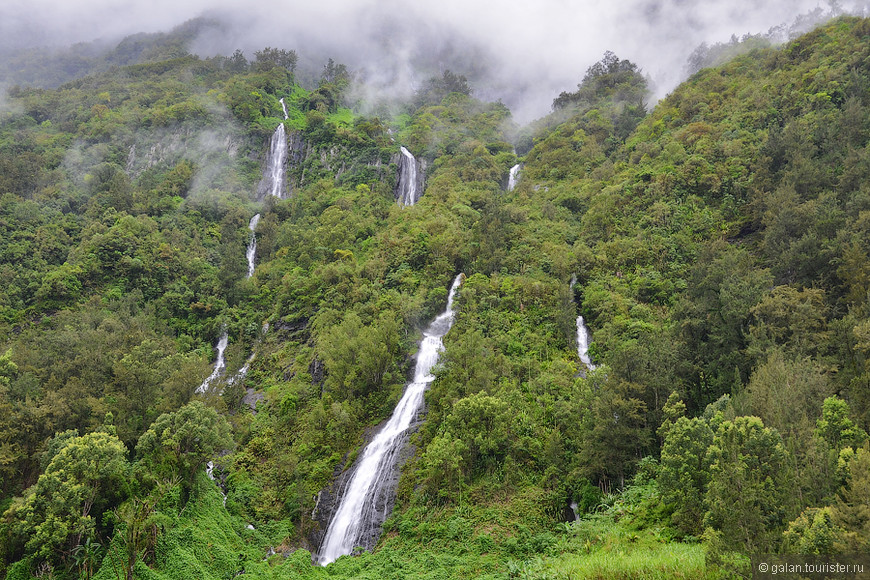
524	53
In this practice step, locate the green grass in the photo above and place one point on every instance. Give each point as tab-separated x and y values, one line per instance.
614	545
496	537
203	541
638	563
342	117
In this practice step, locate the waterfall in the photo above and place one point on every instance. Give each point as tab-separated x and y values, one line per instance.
219	364
513	177
407	189
357	516
209	471
583	344
242	372
273	175
574	507
251	252
583	336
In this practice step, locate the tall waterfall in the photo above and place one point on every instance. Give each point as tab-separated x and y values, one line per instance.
219	365
357	516
274	174
513	177
407	189
583	336
273	179
273	182
251	252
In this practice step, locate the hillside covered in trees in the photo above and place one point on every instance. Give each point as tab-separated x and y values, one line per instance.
717	245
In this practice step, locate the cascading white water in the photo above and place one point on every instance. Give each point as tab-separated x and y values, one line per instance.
243	372
277	158
357	510
219	364
513	177
583	336
251	252
583	344
408	179
574	508
273	182
209	471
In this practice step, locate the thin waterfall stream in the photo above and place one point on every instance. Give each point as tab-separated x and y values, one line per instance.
219	364
513	177
273	176
583	337
251	252
357	516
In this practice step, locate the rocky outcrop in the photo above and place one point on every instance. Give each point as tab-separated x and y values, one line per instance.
308	163
166	147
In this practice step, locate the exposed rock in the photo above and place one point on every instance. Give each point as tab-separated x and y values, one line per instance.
251	398
131	159
296	327
166	147
317	371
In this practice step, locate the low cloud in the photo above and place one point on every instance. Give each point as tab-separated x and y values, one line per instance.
524	53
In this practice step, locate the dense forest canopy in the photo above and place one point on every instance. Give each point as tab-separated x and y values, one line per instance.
716	245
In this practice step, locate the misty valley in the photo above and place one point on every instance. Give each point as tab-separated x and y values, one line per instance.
262	317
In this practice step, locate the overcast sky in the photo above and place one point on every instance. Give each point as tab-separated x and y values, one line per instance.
531	50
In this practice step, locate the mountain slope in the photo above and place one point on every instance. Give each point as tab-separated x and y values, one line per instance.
720	254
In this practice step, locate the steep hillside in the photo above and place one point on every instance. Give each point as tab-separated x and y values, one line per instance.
716	247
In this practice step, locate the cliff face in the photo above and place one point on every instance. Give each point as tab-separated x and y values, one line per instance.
309	161
205	146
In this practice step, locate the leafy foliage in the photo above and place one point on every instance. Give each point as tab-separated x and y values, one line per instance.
180	443
718	244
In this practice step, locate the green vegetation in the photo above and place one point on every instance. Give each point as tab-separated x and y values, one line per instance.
719	242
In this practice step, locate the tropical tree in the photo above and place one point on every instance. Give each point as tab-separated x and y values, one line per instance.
684	471
181	442
63	510
749	487
853	506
